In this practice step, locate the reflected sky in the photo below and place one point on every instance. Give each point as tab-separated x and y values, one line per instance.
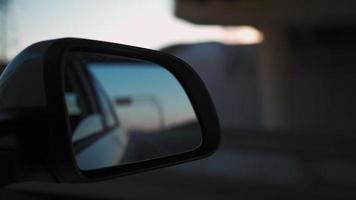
144	83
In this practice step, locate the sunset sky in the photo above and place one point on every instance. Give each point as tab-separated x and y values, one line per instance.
145	23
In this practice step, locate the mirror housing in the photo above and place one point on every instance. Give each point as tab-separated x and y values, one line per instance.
32	92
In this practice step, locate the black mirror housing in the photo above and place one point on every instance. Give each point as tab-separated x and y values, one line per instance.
32	92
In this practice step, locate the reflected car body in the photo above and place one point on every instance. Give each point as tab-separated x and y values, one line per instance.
113	142
97	135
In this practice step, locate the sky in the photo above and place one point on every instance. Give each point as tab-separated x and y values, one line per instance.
144	23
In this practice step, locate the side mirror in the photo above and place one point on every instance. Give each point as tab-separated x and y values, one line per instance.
102	110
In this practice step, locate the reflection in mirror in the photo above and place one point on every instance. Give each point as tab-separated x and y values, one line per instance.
125	111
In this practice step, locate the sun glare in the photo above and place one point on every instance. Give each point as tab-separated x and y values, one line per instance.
242	35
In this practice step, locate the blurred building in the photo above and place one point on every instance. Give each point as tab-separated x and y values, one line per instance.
231	75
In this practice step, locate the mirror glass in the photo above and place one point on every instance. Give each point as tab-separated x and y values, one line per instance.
124	111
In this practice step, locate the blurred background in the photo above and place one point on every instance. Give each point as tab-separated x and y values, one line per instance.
281	74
